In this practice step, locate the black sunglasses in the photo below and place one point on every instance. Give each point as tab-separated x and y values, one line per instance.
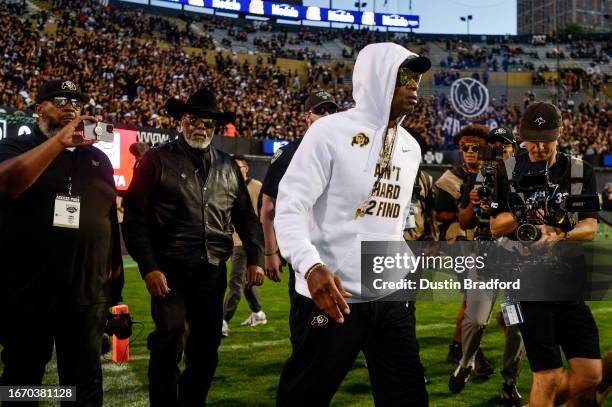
208	123
324	108
61	101
405	75
470	148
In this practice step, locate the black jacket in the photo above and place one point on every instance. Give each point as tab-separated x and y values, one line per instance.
180	208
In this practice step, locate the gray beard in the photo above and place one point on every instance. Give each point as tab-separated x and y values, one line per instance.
50	129
199	144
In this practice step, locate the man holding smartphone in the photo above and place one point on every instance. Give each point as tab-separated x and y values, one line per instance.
60	242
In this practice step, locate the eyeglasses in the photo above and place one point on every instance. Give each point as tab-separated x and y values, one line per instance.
208	123
61	101
324	108
470	148
405	75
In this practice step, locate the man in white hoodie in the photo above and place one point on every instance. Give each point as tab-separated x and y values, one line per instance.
329	201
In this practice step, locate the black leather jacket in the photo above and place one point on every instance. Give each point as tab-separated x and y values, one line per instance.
180	208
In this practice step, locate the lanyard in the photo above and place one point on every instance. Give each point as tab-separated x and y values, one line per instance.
70	167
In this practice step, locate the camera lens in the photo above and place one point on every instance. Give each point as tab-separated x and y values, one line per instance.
109	128
485	193
527	233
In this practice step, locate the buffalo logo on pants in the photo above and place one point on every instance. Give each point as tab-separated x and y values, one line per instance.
319	320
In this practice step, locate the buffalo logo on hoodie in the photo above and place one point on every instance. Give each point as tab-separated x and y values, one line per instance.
360	139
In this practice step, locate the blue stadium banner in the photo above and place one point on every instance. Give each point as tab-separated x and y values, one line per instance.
311	13
282	10
397	20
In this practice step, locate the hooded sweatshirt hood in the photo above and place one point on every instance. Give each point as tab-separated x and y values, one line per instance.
374	77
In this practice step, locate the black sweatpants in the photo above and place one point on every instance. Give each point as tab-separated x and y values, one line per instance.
324	351
77	334
195	302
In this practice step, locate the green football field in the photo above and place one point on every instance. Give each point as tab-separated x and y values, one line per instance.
252	358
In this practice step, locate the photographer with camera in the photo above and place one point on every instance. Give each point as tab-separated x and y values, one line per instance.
474	213
448	192
550	327
477	195
60	247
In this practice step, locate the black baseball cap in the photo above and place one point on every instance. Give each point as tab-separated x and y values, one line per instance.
417	64
502	134
51	89
541	122
318	98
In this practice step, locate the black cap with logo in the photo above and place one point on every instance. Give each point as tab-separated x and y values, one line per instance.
502	134
417	64
51	89
541	122
318	98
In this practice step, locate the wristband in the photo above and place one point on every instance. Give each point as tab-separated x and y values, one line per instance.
273	253
313	268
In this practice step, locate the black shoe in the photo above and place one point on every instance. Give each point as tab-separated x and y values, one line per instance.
454	353
510	396
483	367
459	378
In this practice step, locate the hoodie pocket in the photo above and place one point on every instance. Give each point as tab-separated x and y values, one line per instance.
351	261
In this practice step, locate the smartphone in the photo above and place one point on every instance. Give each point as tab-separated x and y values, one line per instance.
99	131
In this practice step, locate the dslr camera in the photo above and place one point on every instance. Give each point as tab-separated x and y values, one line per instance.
542	205
488	155
485	187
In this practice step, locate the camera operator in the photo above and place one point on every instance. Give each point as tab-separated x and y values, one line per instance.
474	213
448	192
60	247
549	326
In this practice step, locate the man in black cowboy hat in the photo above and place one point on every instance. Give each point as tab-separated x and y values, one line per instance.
179	212
59	238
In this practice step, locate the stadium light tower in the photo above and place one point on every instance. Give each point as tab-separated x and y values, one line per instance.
467	20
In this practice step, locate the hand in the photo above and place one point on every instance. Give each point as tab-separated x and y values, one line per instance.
327	293
550	235
255	276
273	267
474	199
72	133
156	283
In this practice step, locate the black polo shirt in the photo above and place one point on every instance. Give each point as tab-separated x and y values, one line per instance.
278	167
44	265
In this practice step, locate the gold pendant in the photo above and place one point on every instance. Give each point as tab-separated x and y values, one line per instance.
359	212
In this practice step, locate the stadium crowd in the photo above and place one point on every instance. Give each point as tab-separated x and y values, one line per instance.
124	63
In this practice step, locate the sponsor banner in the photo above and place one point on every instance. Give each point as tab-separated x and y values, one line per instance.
469	97
397	20
153	136
312	13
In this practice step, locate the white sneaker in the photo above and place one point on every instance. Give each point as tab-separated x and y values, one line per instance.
224	329
256	318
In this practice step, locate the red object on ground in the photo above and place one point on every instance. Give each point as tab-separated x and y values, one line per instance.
121	347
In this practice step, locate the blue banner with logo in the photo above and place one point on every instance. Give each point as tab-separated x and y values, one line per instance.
309	13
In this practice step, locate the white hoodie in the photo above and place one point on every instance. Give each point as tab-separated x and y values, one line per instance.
331	175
